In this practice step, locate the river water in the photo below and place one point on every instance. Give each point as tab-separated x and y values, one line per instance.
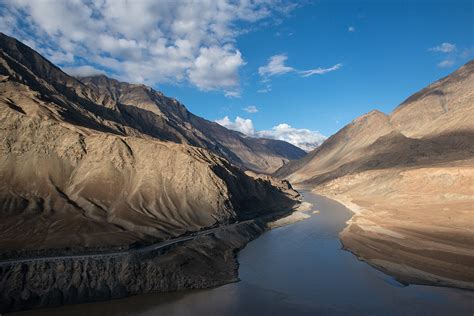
299	269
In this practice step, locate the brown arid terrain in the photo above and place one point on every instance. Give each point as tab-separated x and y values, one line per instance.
161	117
409	179
121	108
100	166
76	170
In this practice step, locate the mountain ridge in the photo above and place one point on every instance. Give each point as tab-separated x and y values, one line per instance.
369	127
409	179
164	118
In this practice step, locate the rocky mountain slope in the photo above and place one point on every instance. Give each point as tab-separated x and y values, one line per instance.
83	168
409	176
131	109
159	116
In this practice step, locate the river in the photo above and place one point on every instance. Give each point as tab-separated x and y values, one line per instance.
296	269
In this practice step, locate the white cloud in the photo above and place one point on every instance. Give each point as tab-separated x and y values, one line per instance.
450	54
301	137
144	41
351	29
217	67
446	63
319	71
251	109
82	71
444	48
242	125
276	66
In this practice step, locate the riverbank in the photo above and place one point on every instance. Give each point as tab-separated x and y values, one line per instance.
200	260
297	269
205	261
417	225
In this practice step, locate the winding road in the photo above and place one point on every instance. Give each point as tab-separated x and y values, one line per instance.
125	252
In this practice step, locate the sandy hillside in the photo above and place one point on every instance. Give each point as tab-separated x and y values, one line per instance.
409	176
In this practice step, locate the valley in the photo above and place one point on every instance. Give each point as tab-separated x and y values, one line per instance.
409	179
111	189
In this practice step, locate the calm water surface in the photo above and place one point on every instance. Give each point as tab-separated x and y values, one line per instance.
297	269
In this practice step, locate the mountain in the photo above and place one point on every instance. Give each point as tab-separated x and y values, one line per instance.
132	109
99	163
409	176
159	116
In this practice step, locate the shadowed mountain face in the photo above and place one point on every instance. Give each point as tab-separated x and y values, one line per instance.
432	126
159	116
101	163
409	177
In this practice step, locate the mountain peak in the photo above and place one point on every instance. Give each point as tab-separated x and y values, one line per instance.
442	107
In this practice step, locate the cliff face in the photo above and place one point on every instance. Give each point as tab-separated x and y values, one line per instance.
409	176
203	262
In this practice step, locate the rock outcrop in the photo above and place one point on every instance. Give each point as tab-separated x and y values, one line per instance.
205	261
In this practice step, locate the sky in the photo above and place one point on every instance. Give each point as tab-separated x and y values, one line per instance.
297	71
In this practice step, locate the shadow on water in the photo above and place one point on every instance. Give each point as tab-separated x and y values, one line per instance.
297	269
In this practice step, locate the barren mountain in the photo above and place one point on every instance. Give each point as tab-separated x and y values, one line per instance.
132	109
409	176
110	164
159	116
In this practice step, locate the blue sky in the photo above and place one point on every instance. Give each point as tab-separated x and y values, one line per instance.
360	55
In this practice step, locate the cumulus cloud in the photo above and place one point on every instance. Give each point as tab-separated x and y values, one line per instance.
444	48
301	137
215	68
143	41
351	29
242	125
251	109
319	70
